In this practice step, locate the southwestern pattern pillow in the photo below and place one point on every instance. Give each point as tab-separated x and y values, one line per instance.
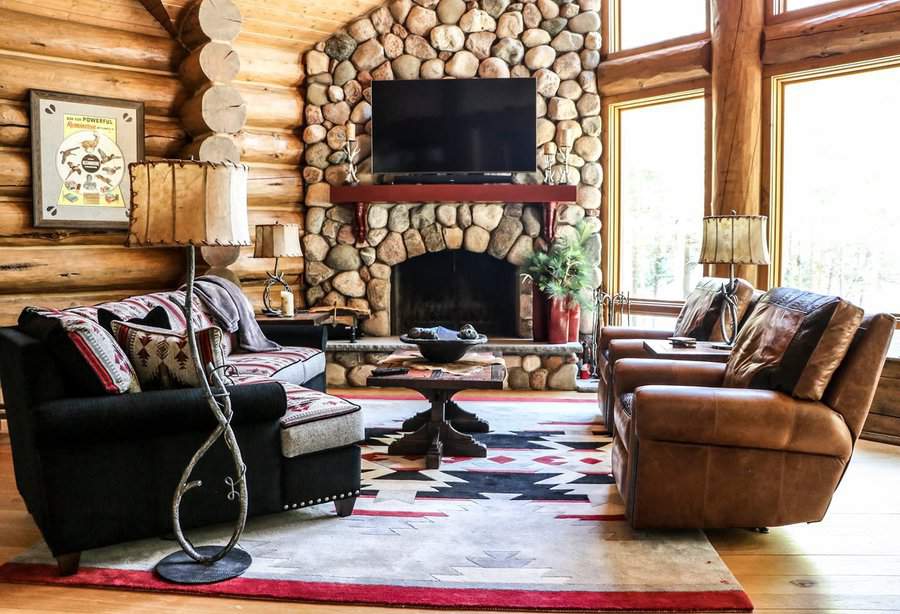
156	318
793	341
162	358
92	362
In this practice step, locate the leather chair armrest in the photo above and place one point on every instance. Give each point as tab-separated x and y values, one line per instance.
608	333
740	418
296	335
631	373
626	348
143	415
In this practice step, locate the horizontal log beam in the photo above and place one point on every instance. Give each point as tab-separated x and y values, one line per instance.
270	147
45	269
272	107
90	43
857	28
16	230
162	94
11	305
657	68
274	186
270	64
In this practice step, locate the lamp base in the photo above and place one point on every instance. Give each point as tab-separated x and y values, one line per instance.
275	313
179	568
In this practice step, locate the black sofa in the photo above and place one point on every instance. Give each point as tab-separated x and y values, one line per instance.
102	470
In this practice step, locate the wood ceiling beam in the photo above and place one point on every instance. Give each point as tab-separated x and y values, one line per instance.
838	32
656	68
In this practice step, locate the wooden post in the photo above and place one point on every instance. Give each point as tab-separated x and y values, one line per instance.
737	27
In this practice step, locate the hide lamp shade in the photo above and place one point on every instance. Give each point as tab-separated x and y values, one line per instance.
732	240
278	241
186	203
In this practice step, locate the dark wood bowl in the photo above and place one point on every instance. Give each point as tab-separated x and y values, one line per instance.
442	351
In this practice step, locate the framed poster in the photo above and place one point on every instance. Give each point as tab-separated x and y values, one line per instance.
81	147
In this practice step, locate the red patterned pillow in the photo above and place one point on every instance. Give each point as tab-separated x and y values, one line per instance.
93	362
162	358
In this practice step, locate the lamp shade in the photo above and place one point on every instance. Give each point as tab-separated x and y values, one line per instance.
277	241
188	202
734	239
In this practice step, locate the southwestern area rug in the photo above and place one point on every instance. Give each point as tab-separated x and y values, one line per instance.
537	525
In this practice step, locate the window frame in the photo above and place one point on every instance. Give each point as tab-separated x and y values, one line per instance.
776	11
610	210
611	18
773	134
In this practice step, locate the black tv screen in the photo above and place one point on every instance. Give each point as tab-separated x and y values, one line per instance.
453	126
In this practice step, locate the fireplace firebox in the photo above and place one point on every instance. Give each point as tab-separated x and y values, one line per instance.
451	288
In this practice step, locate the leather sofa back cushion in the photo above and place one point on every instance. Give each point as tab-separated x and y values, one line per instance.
793	342
162	358
703	308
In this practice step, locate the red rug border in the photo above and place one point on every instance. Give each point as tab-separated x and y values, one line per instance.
387	595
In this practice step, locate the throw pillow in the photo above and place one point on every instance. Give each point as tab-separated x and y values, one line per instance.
793	341
156	317
162	358
91	360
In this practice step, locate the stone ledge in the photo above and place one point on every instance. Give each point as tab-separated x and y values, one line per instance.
508	347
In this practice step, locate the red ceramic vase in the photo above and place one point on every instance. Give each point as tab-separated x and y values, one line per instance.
574	320
558	322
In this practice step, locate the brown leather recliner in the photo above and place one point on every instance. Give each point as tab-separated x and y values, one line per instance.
689	453
699	317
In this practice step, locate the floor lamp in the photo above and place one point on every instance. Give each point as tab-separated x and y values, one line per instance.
732	240
190	204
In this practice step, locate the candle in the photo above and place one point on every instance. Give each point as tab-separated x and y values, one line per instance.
569	136
548	149
287	303
351	131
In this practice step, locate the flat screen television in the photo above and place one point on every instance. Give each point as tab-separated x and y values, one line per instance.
453	126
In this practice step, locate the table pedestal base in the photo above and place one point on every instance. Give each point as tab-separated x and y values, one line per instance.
437	432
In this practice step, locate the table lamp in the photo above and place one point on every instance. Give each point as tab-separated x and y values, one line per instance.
278	241
732	240
190	204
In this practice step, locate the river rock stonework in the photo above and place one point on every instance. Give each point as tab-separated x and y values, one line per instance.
434	40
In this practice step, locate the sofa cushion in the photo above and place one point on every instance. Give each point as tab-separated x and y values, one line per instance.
92	362
314	421
793	342
703	309
162	358
295	365
156	317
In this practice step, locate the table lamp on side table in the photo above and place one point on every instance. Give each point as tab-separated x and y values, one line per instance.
185	203
733	239
278	241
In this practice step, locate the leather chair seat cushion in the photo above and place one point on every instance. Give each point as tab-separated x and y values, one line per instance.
793	342
314	421
294	365
761	419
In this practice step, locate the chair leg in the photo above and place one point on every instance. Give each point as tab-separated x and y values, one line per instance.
68	563
344	507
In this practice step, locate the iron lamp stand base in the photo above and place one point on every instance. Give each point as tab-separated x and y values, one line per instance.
180	568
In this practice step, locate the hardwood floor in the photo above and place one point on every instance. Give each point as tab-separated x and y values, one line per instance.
850	563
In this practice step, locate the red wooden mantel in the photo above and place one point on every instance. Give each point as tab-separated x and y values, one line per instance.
363	195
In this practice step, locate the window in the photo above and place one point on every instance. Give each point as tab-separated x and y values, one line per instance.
644	22
656	195
783	6
837	194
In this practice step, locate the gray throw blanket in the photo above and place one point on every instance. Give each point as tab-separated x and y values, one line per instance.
233	312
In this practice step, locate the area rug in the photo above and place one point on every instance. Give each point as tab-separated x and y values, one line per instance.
535	526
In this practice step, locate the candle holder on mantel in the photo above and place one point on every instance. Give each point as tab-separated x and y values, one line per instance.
549	156
278	241
563	156
352	150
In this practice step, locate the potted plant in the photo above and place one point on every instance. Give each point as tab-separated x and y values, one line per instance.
561	275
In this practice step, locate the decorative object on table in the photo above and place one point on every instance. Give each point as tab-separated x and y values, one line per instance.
80	149
683	342
278	241
562	274
352	150
732	240
443	345
188	204
566	141
343	317
549	152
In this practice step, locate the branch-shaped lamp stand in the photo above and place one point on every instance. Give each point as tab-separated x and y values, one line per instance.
208	564
274	278
729	306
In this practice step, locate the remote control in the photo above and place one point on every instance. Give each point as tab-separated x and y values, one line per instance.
384	371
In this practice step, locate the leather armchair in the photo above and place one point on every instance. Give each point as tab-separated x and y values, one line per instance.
689	453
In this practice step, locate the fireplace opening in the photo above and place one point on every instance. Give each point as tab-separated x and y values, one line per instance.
454	287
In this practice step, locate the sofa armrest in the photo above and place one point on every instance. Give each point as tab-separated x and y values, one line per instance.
296	335
626	348
741	418
608	333
152	413
631	373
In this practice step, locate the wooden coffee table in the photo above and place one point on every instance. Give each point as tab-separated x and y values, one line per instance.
443	429
663	348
